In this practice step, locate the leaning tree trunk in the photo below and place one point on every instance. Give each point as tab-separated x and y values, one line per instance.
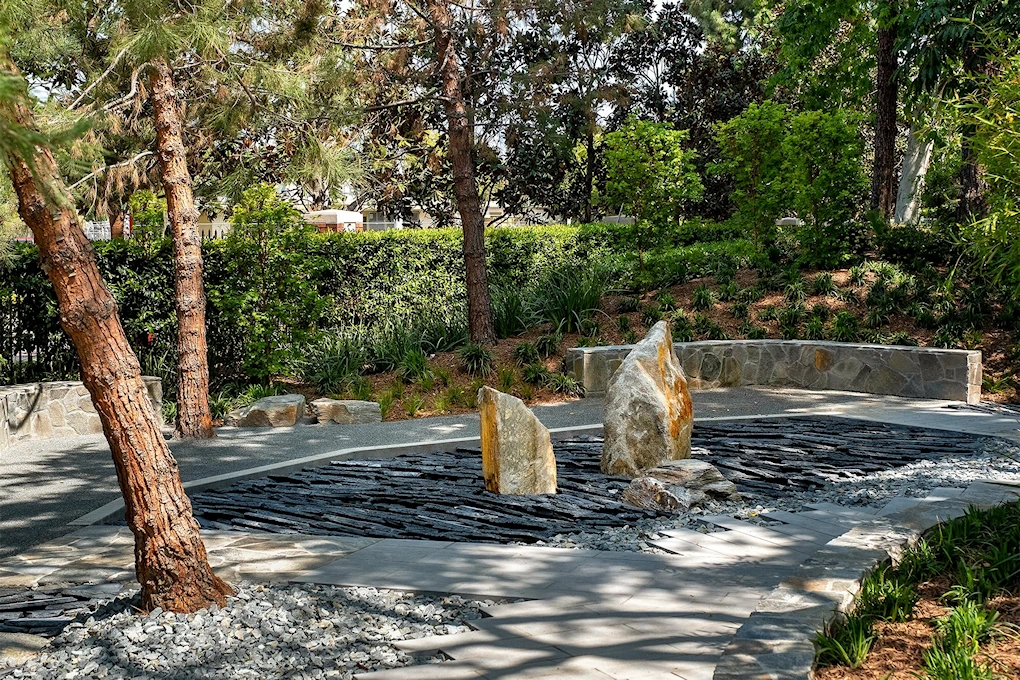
170	558
194	419
464	185
883	174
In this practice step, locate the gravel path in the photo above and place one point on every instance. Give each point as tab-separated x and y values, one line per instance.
293	632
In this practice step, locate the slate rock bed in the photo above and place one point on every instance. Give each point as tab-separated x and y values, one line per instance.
296	632
45	611
441	496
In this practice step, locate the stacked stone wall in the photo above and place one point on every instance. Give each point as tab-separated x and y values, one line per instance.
921	372
55	409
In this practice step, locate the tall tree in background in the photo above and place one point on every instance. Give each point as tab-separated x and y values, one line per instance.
947	44
170	558
465	187
830	50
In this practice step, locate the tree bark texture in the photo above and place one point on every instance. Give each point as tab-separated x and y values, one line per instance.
115	214
973	183
170	558
464	185
883	177
916	160
194	419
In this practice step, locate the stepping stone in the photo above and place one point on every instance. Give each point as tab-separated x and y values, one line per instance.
840	509
803	519
899	504
760	533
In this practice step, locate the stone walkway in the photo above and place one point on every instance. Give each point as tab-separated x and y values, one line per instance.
584	614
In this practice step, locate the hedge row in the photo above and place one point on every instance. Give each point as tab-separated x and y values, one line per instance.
367	279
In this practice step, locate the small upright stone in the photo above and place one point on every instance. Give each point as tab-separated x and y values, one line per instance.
517	454
346	411
279	411
648	413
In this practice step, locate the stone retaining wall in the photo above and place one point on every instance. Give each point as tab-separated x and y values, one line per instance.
922	372
55	409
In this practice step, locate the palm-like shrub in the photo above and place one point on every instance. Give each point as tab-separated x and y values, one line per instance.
475	359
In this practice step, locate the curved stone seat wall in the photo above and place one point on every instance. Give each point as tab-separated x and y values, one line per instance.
55	409
923	372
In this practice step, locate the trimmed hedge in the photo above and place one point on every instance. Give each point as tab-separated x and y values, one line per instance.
411	276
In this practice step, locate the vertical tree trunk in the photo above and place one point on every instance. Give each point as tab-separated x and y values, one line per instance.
916	159
972	182
194	419
115	213
170	558
464	185
883	175
589	170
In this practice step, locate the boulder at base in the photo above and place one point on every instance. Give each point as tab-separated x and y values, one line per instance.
279	411
346	411
517	454
649	414
679	484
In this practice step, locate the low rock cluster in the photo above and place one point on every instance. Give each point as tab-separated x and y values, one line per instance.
279	631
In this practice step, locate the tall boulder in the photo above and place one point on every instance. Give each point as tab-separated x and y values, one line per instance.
648	412
517	454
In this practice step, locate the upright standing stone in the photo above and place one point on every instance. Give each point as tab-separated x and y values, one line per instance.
649	413
517	455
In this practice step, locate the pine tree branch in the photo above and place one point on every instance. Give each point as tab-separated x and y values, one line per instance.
398	46
102	76
94	173
403	102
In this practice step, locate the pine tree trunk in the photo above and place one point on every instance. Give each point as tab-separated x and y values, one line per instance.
115	214
883	176
464	185
194	419
589	170
170	558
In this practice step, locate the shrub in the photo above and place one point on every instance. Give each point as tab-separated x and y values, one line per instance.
526	353
651	315
569	296
547	345
510	311
702	298
507	378
275	304
535	374
846	643
413	405
751	148
768	313
845	327
623	323
333	361
667	301
739	310
822	163
590	328
728	291
475	359
823	284
857	275
565	384
751	331
814	329
795	292
628	304
414	367
681	328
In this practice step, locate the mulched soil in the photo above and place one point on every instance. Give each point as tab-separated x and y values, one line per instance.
898	654
995	346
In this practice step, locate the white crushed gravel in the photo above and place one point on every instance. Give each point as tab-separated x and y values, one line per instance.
280	631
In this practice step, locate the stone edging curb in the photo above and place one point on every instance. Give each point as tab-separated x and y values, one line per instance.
775	642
